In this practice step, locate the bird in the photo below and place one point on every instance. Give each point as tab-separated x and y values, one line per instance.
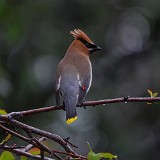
74	74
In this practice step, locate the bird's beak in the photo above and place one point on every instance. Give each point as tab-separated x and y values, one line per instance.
94	48
98	48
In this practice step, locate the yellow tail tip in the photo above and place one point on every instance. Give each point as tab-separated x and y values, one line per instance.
71	120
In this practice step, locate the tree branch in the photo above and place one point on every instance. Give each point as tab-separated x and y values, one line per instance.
33	141
20	152
86	104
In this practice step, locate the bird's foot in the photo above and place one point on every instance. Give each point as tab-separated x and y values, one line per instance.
126	98
81	105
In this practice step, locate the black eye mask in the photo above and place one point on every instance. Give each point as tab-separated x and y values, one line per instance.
92	47
87	44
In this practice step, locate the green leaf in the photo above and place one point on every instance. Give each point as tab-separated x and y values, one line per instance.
108	155
153	95
6	155
23	158
8	137
34	151
2	111
148	103
93	156
150	92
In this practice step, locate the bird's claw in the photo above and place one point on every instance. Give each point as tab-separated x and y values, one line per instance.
126	98
82	105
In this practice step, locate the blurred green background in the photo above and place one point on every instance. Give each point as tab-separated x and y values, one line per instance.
34	37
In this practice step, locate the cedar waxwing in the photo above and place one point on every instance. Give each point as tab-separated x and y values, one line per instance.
74	74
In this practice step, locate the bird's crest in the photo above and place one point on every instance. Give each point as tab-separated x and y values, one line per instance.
78	34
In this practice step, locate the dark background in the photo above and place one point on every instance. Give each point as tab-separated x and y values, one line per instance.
34	37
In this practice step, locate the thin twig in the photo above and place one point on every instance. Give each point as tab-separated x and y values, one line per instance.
70	154
37	131
20	153
30	146
15	134
42	154
43	147
47	149
71	144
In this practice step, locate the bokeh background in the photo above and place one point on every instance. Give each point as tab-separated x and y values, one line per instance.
34	37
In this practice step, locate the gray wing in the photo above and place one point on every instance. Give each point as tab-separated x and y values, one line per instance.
84	87
57	91
57	97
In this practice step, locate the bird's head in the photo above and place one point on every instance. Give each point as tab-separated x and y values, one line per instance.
83	38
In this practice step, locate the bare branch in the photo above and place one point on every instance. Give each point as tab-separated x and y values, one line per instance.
30	146
86	104
33	141
15	134
37	131
121	100
43	147
19	152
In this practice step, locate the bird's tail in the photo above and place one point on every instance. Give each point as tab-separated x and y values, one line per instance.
70	103
70	91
